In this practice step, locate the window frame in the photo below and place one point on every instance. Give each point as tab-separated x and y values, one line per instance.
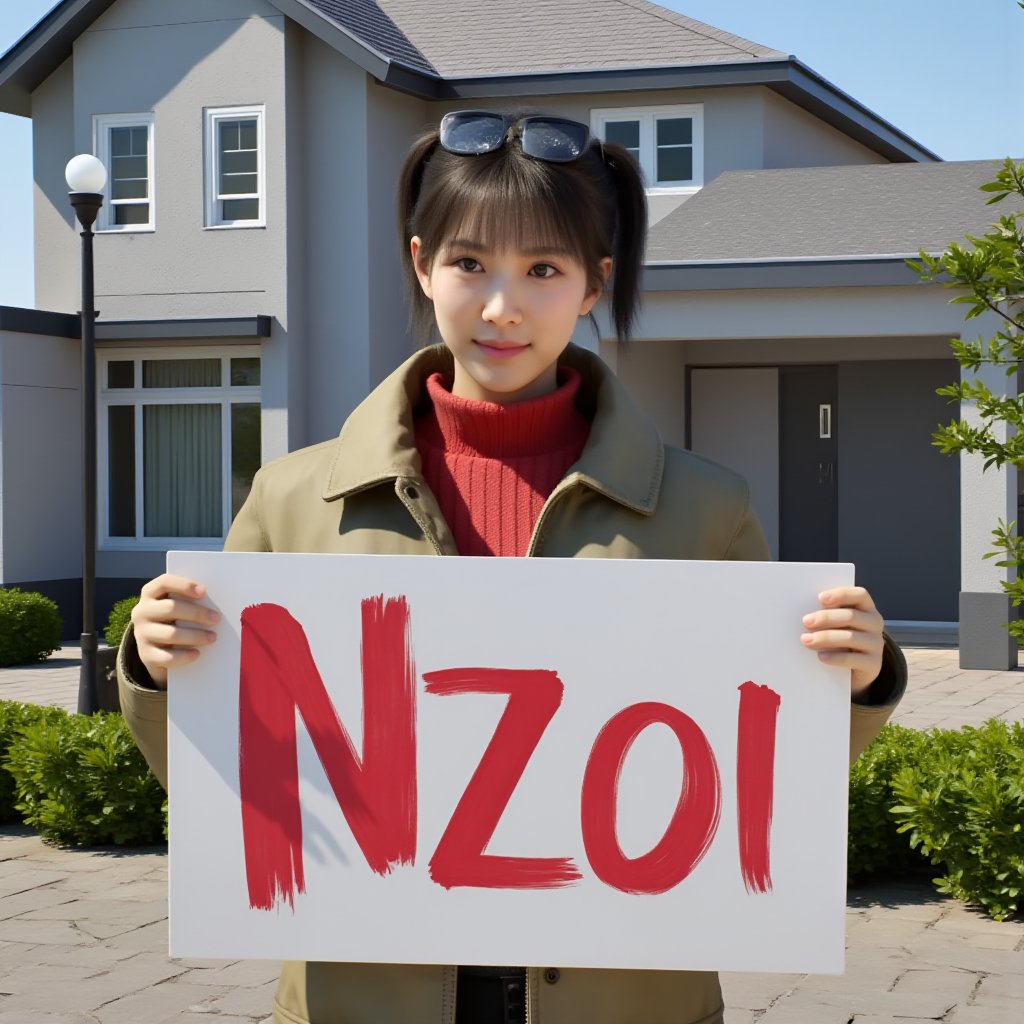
648	116
212	117
102	123
225	395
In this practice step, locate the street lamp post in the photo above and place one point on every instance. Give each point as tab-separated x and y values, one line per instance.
86	177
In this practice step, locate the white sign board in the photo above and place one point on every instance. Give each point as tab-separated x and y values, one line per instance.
597	763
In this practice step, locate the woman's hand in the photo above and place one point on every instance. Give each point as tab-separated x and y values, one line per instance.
170	625
847	633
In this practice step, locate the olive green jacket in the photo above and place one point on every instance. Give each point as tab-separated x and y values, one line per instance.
628	496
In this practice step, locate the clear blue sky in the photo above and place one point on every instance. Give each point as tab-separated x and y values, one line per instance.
934	68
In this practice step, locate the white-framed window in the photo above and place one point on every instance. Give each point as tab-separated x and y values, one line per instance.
179	444
666	141
124	144
235	167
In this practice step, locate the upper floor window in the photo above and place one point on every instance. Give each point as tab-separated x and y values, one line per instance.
235	160
124	144
667	142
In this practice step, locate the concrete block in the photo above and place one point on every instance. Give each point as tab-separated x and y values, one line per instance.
161	1004
244	974
983	1015
1001	990
984	642
247	1002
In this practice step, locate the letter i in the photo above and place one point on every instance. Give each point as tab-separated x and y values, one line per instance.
755	782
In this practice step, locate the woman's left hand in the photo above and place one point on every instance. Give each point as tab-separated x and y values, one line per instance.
847	632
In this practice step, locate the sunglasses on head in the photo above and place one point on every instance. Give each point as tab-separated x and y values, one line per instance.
475	132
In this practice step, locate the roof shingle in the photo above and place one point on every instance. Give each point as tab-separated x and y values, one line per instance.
496	37
365	20
828	212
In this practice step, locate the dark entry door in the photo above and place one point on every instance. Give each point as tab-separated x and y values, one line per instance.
808	484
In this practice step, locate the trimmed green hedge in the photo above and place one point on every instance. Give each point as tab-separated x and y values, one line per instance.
79	779
14	716
30	627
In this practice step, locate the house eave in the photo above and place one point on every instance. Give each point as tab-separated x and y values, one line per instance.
885	270
240	329
17	320
224	328
27	64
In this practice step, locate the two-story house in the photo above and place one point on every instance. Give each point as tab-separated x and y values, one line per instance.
248	283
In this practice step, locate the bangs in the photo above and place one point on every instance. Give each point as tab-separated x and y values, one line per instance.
505	205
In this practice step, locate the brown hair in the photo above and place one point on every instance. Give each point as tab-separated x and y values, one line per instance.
594	207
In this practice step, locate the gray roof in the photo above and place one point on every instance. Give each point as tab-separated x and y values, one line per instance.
492	49
494	37
369	22
829	213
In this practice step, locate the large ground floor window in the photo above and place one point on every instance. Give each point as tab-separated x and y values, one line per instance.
179	444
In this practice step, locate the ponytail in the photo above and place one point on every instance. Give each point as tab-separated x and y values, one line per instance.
629	237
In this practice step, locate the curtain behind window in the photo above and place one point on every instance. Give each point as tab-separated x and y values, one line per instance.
182	469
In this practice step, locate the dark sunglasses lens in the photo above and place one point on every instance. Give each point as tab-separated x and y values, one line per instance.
558	141
472	133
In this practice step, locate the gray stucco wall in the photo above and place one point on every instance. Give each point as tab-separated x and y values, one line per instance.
390	339
40	465
795	138
57	275
173	61
899	507
355	135
334	286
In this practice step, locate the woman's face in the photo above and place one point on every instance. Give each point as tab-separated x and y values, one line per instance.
506	315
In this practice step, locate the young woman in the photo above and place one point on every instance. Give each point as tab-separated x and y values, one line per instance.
503	440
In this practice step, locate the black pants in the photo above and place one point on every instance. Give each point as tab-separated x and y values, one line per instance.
491	995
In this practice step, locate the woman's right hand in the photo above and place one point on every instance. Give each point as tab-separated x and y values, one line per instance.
171	626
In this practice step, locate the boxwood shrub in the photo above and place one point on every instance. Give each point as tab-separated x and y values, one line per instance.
30	627
80	780
875	848
961	803
119	620
14	716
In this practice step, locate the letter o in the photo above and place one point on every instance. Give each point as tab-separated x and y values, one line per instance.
694	821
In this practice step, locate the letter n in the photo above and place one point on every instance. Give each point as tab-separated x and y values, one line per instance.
376	792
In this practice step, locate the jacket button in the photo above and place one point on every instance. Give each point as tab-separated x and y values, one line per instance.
412	492
551	975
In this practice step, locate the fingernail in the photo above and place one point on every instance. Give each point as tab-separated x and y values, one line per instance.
806	637
212	636
825	597
808	620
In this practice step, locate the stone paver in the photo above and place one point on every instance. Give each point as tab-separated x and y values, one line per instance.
83	933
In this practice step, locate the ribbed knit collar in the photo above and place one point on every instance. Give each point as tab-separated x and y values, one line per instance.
537	426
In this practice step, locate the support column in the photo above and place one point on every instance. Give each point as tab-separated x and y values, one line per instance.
986	497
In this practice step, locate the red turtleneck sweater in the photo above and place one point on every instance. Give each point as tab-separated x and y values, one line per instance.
493	466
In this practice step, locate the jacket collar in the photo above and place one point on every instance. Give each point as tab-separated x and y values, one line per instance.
623	458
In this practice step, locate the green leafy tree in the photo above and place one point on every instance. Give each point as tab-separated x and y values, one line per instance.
988	274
